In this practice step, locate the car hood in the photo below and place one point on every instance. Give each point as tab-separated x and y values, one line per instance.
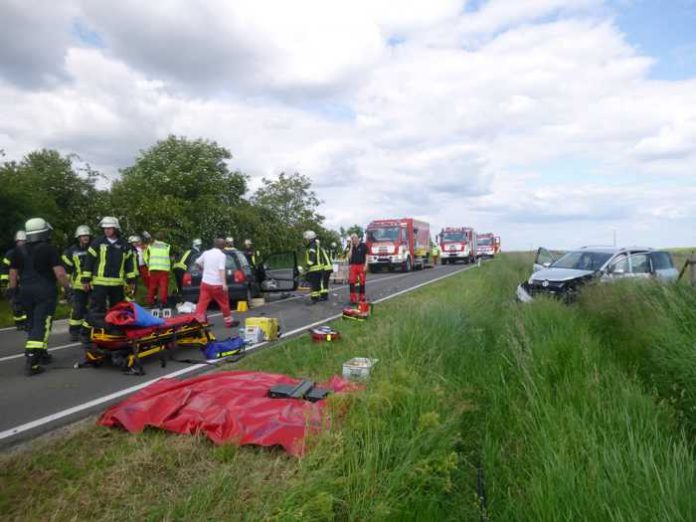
560	274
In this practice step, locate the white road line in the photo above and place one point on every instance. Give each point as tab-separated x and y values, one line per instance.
106	398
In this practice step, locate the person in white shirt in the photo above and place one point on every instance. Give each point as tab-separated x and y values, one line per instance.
214	283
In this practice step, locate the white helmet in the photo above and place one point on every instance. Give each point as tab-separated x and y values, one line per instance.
109	222
21	235
82	230
247	242
37	229
309	235
197	243
134	239
229	239
333	244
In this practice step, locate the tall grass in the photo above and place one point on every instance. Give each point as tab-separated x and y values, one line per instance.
561	422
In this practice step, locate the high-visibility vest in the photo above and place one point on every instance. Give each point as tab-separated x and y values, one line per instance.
313	257
157	257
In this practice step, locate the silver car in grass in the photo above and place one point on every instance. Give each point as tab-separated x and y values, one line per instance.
563	275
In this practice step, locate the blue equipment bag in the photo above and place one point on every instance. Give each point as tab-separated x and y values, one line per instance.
220	349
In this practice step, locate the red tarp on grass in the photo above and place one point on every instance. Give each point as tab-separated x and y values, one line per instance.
227	407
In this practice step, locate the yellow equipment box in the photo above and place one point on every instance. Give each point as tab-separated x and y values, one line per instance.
269	326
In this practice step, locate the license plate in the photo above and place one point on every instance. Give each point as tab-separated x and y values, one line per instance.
383	260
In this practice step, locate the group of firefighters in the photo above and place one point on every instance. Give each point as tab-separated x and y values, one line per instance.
98	272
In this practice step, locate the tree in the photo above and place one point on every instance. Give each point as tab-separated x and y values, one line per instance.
355	229
45	184
290	200
182	188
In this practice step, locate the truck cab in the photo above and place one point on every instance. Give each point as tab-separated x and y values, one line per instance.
488	245
398	244
457	244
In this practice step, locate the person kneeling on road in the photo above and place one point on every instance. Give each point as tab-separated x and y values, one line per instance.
37	265
214	283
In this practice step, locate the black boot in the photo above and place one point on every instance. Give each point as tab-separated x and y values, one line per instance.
31	364
44	357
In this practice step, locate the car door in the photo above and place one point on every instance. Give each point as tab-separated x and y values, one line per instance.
641	267
663	266
617	268
543	259
279	273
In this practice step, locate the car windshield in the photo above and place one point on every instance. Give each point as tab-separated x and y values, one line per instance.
454	236
484	241
376	235
583	260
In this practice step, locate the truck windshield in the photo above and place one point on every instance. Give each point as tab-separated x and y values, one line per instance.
376	235
454	236
582	260
484	241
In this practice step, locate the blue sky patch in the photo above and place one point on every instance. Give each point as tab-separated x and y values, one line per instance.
86	35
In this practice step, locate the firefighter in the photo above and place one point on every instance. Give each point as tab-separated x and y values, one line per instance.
109	266
158	259
314	265
327	270
18	314
74	260
435	253
229	243
250	254
357	268
37	265
185	261
334	252
139	248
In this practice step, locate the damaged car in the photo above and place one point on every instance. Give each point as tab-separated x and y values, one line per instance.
563	275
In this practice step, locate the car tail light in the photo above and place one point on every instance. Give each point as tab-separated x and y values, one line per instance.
239	276
186	280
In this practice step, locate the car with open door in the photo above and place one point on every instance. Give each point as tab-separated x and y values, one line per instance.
563	275
276	273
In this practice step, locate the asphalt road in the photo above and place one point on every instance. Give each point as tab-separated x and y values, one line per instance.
30	406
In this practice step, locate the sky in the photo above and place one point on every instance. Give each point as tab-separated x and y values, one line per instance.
549	122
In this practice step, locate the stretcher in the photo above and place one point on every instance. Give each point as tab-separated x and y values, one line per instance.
125	347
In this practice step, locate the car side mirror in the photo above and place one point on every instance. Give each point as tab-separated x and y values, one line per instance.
546	264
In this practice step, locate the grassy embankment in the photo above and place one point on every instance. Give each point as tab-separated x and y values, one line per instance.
571	412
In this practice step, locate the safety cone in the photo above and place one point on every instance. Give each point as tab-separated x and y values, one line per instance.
242	306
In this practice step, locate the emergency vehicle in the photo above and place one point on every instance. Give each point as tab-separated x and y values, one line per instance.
457	244
488	245
398	243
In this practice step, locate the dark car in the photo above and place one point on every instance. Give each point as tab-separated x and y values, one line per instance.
277	273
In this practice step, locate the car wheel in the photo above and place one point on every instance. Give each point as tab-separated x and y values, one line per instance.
407	265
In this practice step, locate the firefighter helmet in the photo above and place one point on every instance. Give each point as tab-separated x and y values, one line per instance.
82	230
37	229
21	235
109	222
134	239
229	239
197	243
247	242
309	235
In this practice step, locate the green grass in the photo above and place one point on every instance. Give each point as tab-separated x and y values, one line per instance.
564	408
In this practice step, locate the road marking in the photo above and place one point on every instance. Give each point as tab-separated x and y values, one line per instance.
106	398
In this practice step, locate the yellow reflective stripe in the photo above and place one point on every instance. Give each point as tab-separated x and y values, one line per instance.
123	263
75	322
34	345
4	277
78	267
108	281
22	317
92	251
47	324
102	261
66	260
5	261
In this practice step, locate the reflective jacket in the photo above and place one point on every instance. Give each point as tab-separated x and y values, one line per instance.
326	259
251	256
74	260
188	259
313	257
157	257
5	267
110	264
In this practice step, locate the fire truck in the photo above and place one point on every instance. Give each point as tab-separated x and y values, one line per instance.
398	243
457	244
488	245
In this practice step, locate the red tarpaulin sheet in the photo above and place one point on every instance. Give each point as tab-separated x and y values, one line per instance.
227	407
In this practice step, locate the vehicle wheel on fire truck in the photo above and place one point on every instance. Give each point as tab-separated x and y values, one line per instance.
406	267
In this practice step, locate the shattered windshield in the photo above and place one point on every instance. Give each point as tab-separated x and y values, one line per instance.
582	260
377	235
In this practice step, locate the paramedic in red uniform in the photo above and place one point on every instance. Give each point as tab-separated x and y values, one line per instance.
214	283
357	261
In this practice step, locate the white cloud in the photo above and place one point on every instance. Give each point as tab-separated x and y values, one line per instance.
408	108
